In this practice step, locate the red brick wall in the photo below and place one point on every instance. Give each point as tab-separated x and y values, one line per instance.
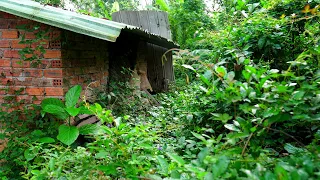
69	59
34	81
85	59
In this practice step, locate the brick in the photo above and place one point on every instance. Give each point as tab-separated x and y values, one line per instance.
4	43
10	34
12	24
93	69
9	16
3	91
17	63
22	81
43	43
74	80
81	79
11	54
29	35
78	71
56	63
8	71
6	81
16	90
36	91
55	34
4	24
41	82
54	91
68	72
52	54
66	62
5	63
35	99
44	64
4	72
31	73
57	82
20	23
17	45
24	99
53	73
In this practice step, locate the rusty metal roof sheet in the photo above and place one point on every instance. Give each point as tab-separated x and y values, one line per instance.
72	21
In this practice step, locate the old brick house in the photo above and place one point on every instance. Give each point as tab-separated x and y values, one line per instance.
66	49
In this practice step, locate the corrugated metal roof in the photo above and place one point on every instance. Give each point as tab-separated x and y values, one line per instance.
72	21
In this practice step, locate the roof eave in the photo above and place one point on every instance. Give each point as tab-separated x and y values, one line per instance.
82	24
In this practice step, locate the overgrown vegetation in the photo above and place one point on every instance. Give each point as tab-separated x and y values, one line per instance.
245	105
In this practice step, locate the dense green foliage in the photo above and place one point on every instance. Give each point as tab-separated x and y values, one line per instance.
245	105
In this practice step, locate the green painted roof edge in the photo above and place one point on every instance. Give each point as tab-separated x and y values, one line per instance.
75	22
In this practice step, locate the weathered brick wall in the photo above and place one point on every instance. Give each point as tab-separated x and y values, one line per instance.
23	80
69	59
85	59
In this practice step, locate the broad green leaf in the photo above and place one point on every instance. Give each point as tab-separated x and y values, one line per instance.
35	172
202	154
163	5
251	69
153	177
188	67
292	149
199	136
244	14
298	95
208	74
110	169
221	117
46	140
102	154
176	158
51	164
281	172
232	127
221	71
236	135
88	129
205	80
208	176
72	96
175	174
246	74
189	117
279	118
230	76
57	111
261	42
85	110
68	134
51	101
220	166
253	129
163	164
37	133
117	121
72	111
269	175
43	113
30	153
115	7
